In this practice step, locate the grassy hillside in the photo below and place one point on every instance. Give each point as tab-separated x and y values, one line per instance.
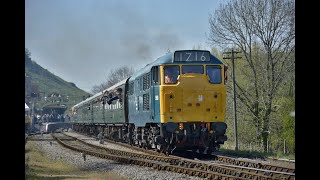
42	83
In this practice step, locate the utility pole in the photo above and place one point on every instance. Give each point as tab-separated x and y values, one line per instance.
232	52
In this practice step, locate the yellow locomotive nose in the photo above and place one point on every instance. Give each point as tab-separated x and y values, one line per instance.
193	99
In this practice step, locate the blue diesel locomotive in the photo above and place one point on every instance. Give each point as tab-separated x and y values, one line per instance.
176	102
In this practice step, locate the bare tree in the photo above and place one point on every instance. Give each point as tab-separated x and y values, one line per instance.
114	76
265	32
197	47
98	88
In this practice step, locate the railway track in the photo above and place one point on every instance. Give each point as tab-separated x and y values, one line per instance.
128	159
223	159
234	161
187	166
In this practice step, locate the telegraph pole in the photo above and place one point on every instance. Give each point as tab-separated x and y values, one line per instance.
234	91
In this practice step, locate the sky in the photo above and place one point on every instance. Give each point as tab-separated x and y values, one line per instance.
81	41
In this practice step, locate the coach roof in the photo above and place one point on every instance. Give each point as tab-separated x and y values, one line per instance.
99	94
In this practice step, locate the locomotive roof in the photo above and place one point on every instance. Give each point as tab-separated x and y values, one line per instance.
165	59
168	59
99	94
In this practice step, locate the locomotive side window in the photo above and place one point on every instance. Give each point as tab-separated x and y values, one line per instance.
171	74
198	69
214	73
137	103
155	75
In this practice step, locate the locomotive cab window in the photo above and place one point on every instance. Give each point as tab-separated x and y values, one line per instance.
197	69
214	74
171	74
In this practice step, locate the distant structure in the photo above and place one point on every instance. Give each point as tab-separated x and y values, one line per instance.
26	109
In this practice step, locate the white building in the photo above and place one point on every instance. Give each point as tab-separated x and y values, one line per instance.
26	109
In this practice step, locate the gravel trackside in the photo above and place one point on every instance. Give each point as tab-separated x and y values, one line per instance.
56	151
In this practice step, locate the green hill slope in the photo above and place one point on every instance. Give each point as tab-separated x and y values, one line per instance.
44	88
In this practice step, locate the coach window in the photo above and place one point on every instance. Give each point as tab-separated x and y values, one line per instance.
171	74
197	69
214	73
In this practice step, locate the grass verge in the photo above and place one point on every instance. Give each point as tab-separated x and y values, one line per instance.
255	154
38	166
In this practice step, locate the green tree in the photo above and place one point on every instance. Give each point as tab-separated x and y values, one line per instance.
265	32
